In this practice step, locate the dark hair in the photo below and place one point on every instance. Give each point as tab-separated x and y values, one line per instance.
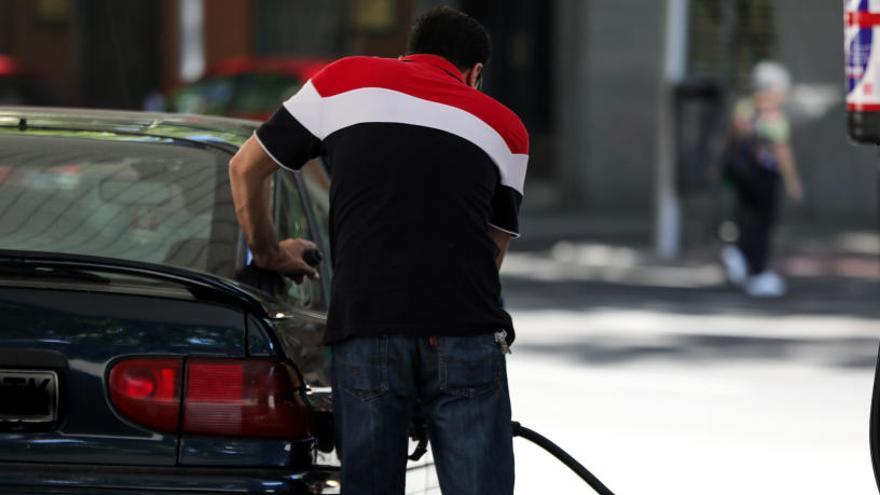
452	35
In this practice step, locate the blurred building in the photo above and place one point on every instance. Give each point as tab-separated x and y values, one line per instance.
584	75
608	56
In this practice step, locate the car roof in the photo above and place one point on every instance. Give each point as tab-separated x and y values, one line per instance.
224	132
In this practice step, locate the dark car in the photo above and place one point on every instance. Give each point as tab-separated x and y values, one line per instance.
139	351
20	85
244	87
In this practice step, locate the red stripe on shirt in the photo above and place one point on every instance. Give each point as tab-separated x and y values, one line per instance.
428	77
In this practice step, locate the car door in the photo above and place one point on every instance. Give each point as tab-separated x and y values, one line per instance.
304	195
302	337
315	187
292	220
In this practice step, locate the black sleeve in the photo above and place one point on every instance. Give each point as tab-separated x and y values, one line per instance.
505	210
286	140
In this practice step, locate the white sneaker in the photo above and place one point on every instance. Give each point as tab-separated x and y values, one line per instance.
766	284
735	265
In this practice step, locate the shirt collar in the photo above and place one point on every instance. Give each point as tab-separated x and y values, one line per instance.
435	61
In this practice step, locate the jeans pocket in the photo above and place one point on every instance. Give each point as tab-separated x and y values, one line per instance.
470	366
361	366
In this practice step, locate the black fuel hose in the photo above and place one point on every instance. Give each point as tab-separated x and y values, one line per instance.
563	456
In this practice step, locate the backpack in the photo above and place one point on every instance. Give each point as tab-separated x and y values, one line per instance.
746	164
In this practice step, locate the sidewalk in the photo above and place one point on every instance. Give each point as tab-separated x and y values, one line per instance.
663	379
840	267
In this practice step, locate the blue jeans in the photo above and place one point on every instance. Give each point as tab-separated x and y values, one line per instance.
460	386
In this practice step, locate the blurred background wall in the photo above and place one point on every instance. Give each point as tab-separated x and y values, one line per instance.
585	75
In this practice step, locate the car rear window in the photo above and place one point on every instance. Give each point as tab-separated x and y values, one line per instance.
158	202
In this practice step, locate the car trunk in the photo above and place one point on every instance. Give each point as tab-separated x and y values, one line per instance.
58	344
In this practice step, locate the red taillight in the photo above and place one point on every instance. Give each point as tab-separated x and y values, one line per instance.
147	391
222	397
246	398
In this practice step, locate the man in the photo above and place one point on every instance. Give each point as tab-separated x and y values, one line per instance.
427	177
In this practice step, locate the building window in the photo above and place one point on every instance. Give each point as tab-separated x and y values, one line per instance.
729	37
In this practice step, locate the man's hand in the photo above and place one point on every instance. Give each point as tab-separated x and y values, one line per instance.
250	171
794	190
788	169
287	258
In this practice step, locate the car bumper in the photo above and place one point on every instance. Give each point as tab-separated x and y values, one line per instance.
29	478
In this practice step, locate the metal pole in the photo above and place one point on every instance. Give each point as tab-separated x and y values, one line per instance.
571	36
668	217
192	39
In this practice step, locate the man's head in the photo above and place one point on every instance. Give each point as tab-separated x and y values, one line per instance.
454	36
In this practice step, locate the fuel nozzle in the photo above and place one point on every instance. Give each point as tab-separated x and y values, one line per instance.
313	257
271	281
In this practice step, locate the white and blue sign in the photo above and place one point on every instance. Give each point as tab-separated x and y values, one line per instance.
862	20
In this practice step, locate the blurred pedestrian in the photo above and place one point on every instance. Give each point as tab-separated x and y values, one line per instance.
427	177
759	157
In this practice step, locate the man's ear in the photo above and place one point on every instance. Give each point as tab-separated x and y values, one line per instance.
472	75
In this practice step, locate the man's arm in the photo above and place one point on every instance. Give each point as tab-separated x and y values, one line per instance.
250	171
502	240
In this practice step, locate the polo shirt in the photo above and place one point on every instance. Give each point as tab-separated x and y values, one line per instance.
422	167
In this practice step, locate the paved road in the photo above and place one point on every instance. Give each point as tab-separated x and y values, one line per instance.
664	381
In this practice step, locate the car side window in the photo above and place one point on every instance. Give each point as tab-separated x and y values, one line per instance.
293	222
317	185
316	182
